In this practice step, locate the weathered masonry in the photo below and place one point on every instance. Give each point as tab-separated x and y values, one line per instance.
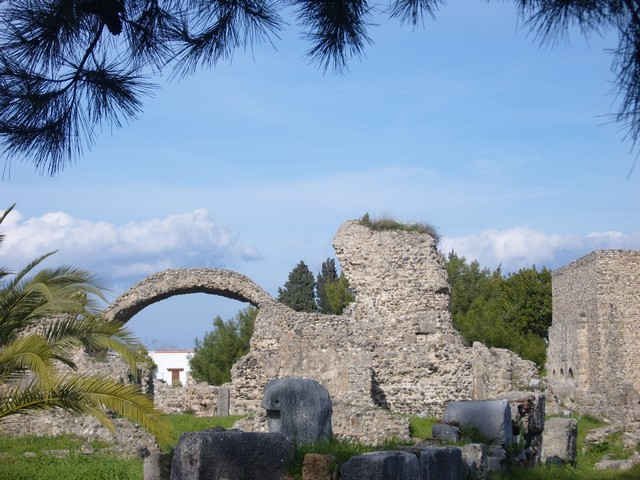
393	352
594	342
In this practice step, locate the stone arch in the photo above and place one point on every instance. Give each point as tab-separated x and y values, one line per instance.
168	283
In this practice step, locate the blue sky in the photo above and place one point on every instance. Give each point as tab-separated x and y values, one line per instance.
505	146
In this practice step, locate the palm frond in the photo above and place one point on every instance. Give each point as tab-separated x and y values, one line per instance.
89	395
6	213
94	333
28	354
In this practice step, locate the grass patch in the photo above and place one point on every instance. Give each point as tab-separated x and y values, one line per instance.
567	473
420	427
14	465
588	456
184	422
387	223
342	450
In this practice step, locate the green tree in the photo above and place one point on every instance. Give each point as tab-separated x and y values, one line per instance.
216	353
338	295
68	67
328	274
299	290
44	318
512	311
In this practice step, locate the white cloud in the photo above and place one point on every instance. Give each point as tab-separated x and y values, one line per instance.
518	247
122	251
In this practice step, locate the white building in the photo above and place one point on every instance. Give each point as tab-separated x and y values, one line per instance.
173	365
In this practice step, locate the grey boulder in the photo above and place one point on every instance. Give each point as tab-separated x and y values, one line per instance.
445	433
442	463
391	465
559	440
231	454
299	408
491	419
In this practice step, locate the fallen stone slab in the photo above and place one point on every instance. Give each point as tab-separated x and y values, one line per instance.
445	433
219	454
390	465
559	441
490	419
442	463
299	408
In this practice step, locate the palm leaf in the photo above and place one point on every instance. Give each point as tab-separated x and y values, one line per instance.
89	395
31	353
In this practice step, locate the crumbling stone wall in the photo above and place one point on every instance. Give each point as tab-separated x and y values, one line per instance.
593	363
394	351
200	399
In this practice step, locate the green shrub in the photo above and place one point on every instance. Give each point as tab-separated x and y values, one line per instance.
420	427
387	223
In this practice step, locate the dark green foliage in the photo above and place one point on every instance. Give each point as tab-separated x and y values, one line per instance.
387	223
219	349
328	274
70	67
333	291
299	290
338	295
512	311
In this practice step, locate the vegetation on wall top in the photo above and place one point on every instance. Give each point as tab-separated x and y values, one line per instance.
388	223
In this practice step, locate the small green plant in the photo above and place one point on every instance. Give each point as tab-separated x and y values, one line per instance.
420	427
184	422
387	223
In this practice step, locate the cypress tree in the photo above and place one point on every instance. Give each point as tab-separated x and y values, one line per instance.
328	274
299	290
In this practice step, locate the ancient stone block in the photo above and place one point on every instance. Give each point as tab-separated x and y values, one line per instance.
316	466
559	440
299	408
390	465
157	466
222	407
474	455
496	458
220	455
442	463
446	433
491	419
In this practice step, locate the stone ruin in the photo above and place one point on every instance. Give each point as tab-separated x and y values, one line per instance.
593	360
394	351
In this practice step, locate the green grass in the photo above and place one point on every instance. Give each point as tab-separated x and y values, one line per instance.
588	456
76	466
420	427
185	422
386	223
